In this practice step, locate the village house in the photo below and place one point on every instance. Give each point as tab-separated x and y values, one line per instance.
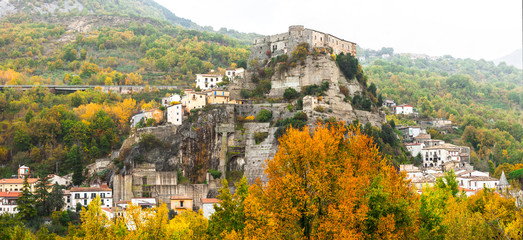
410	132
181	204
8	202
414	148
235	73
67	200
437	156
84	195
421	138
17	184
155	114
135	119
411	171
170	100
404	109
208	81
142	202
194	100
175	114
208	206
389	103
55	179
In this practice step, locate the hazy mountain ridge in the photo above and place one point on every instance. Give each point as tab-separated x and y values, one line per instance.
514	59
132	8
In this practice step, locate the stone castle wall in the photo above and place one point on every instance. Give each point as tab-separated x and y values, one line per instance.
285	43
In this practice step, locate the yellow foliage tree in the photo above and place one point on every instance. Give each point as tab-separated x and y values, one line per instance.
325	185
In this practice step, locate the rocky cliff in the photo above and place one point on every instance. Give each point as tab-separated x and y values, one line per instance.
218	138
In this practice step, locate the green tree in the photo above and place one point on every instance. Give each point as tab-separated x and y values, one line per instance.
42	196
229	214
290	93
264	115
26	203
74	158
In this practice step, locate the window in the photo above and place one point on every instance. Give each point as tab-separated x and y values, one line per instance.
77	195
181	203
85	202
93	195
102	195
85	195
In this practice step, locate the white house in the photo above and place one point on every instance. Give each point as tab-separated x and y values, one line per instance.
404	109
414	148
8	202
166	101
55	179
208	206
207	81
84	195
175	114
389	103
135	119
411	171
235	73
410	132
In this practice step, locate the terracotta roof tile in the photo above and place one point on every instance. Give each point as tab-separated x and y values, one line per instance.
210	200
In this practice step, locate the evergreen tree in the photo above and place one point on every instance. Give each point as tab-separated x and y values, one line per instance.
75	159
42	195
56	198
26	203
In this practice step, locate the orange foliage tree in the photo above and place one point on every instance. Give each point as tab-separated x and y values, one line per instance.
331	183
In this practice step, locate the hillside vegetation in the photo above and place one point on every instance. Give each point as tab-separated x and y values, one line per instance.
484	100
127	51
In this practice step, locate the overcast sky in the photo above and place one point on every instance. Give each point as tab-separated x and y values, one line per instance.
462	28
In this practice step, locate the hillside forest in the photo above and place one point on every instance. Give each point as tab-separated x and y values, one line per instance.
61	133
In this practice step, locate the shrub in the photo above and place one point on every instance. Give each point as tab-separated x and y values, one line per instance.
319	109
290	93
348	65
149	141
264	116
345	91
260	136
215	173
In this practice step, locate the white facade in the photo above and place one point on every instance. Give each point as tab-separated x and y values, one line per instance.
55	179
207	81
8	202
235	73
208	206
166	101
411	171
403	109
84	196
175	114
414	148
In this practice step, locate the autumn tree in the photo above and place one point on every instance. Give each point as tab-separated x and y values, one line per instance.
318	188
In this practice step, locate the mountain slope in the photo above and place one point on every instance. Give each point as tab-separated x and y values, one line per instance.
514	59
134	8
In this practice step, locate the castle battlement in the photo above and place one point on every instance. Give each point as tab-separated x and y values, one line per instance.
284	43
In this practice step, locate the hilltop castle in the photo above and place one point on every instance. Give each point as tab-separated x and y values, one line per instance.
284	43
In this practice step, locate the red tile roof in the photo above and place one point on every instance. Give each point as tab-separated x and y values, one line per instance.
17	180
180	198
10	194
104	187
210	200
